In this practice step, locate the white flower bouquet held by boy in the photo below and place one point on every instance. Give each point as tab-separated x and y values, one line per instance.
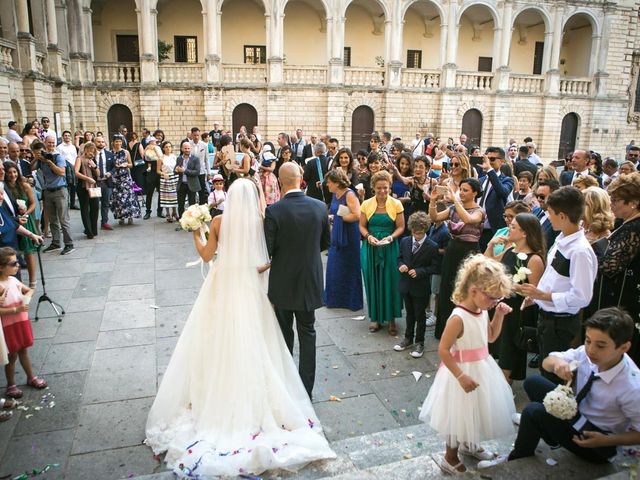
561	402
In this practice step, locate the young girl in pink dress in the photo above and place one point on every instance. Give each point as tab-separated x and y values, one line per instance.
470	401
16	325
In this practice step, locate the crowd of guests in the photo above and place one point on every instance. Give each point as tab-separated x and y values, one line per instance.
409	222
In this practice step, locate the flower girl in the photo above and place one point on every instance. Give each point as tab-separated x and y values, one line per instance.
470	400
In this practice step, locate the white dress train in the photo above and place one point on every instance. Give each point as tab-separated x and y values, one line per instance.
231	400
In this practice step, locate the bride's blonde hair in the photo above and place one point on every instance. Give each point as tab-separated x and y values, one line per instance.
485	273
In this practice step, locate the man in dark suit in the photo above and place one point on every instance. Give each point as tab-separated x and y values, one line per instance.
496	188
546	188
523	163
106	166
580	160
417	260
188	170
314	171
307	151
296	231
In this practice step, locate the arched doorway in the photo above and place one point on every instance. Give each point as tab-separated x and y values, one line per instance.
472	126
244	114
362	122
568	134
16	112
119	115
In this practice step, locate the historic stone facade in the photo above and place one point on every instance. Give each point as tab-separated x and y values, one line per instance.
522	68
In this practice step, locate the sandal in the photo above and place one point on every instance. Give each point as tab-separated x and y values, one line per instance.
4	416
446	467
13	391
374	327
393	329
36	382
478	453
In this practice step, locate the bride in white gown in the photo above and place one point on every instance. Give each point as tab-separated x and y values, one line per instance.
231	400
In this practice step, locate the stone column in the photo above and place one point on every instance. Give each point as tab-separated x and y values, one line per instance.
54	56
211	20
336	60
26	42
80	41
552	83
275	37
449	69
148	43
546	56
444	35
601	75
394	64
503	71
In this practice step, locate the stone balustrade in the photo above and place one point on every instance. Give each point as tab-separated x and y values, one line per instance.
526	83
363	76
474	81
305	75
575	86
244	74
422	79
7	48
186	73
116	72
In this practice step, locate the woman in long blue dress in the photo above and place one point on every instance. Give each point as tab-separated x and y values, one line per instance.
381	224
343	284
124	203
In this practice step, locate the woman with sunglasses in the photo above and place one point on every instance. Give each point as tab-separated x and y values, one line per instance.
524	253
466	220
460	169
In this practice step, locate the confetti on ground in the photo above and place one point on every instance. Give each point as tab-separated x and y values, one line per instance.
333	398
359	317
28	415
427	375
552	462
410	436
155	307
335	367
416	375
407	456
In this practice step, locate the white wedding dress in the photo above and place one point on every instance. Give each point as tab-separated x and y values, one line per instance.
231	400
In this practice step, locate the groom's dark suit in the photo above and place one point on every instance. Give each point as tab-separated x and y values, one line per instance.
297	230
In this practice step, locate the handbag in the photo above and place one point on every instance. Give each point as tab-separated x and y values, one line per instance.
527	338
95	192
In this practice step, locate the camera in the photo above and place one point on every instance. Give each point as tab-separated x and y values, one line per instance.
48	156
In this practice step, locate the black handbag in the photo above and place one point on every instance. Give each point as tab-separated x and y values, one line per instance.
527	338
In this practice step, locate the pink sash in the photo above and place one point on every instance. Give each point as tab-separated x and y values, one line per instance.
470	355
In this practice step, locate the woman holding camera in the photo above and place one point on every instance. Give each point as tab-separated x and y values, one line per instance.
466	220
87	174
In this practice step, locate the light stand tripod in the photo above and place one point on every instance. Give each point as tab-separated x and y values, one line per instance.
59	309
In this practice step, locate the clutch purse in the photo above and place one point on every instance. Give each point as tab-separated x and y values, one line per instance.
95	192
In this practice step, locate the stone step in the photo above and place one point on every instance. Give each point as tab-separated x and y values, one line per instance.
410	453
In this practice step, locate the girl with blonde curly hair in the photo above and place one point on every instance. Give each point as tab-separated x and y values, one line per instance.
456	407
598	217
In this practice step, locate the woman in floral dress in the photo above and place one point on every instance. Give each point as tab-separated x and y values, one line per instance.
124	204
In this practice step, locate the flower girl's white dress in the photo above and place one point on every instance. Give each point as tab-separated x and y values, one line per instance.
482	414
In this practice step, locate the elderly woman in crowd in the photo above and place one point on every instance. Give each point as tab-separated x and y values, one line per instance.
618	283
343	285
87	173
381	224
466	220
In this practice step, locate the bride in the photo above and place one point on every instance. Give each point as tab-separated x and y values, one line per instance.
231	400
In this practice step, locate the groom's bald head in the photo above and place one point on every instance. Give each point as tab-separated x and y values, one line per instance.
290	176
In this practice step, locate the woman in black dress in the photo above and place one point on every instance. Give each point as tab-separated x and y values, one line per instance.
618	283
525	261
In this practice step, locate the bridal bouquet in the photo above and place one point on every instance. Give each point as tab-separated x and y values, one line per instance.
195	218
561	403
522	271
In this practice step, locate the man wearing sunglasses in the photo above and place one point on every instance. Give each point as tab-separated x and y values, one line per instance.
546	188
633	156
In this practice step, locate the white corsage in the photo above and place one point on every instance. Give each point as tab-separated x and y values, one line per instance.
561	403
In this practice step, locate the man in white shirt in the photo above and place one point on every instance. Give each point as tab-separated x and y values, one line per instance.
46	130
566	285
610	171
298	146
69	152
580	161
12	133
201	150
4	150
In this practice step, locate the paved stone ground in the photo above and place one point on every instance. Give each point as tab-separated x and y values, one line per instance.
104	361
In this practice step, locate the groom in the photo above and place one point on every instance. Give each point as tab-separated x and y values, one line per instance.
297	230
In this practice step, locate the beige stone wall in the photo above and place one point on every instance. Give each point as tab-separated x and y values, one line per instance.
358	32
243	23
305	35
469	49
576	49
113	20
181	18
414	39
523	44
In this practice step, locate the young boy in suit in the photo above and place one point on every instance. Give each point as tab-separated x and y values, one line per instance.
607	386
417	260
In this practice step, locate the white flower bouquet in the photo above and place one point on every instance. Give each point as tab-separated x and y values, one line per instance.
521	273
561	403
195	218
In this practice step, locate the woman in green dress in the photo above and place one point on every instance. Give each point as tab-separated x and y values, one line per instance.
23	196
381	224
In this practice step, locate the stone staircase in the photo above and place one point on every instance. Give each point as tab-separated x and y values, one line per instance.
408	454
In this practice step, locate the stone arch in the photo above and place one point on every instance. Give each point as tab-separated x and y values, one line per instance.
325	6
233	102
539	9
381	4
441	11
472	105
471	3
265	4
596	28
17	112
108	99
365	100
